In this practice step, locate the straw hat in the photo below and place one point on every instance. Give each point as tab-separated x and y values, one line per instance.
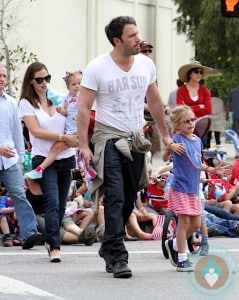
183	71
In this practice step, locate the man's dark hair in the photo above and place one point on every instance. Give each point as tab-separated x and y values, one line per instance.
179	82
115	28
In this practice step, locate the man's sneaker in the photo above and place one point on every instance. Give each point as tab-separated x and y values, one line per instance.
212	231
33	174
173	255
184	266
121	270
106	257
204	249
237	228
32	240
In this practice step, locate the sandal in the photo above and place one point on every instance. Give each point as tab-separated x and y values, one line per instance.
7	241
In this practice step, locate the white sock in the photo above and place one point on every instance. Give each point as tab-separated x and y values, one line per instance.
182	256
175	245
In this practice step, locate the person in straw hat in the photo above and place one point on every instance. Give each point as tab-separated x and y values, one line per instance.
192	93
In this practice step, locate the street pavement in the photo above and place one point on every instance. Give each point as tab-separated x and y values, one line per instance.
28	274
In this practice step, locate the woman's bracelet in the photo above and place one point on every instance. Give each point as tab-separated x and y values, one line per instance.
60	137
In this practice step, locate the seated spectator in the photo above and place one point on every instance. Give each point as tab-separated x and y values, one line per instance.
235	175
221	194
140	215
221	213
8	222
156	193
221	227
77	220
99	219
70	233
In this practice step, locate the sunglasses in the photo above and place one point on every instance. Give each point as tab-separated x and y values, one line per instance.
40	80
188	121
198	72
146	51
162	178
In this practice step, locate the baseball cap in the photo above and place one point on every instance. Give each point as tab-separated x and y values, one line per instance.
144	44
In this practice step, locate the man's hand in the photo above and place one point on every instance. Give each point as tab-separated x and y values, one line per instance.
7	151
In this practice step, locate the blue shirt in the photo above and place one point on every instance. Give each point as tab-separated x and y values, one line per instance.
71	116
233	100
11	133
187	166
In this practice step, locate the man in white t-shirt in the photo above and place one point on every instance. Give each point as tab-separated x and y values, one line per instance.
118	82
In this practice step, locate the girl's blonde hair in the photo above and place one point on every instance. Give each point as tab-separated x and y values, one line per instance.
176	114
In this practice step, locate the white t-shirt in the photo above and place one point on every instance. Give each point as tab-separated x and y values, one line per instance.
120	95
56	123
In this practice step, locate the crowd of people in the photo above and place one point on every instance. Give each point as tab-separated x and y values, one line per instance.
48	206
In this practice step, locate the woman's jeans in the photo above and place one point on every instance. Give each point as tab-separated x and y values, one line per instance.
121	182
13	181
55	184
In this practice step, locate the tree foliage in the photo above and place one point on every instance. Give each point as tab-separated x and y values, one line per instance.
215	37
13	57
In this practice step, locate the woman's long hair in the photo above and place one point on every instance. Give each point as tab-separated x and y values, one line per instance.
27	90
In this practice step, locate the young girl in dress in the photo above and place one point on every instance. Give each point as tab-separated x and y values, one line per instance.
68	108
184	194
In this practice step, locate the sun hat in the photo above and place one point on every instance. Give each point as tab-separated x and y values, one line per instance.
144	44
183	70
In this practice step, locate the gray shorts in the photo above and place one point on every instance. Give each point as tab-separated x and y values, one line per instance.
67	220
41	226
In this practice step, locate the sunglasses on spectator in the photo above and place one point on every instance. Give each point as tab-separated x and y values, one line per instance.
146	51
40	80
198	72
162	178
188	121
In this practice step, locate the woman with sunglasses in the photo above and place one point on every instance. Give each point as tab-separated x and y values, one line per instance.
46	126
68	108
192	93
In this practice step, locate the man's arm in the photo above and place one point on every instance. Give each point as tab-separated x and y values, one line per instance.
156	108
87	97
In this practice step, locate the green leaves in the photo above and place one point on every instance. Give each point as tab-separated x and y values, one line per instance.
215	37
13	57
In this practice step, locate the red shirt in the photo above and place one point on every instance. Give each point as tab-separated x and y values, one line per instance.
204	98
235	171
156	196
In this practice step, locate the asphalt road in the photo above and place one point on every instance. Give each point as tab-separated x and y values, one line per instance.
28	274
